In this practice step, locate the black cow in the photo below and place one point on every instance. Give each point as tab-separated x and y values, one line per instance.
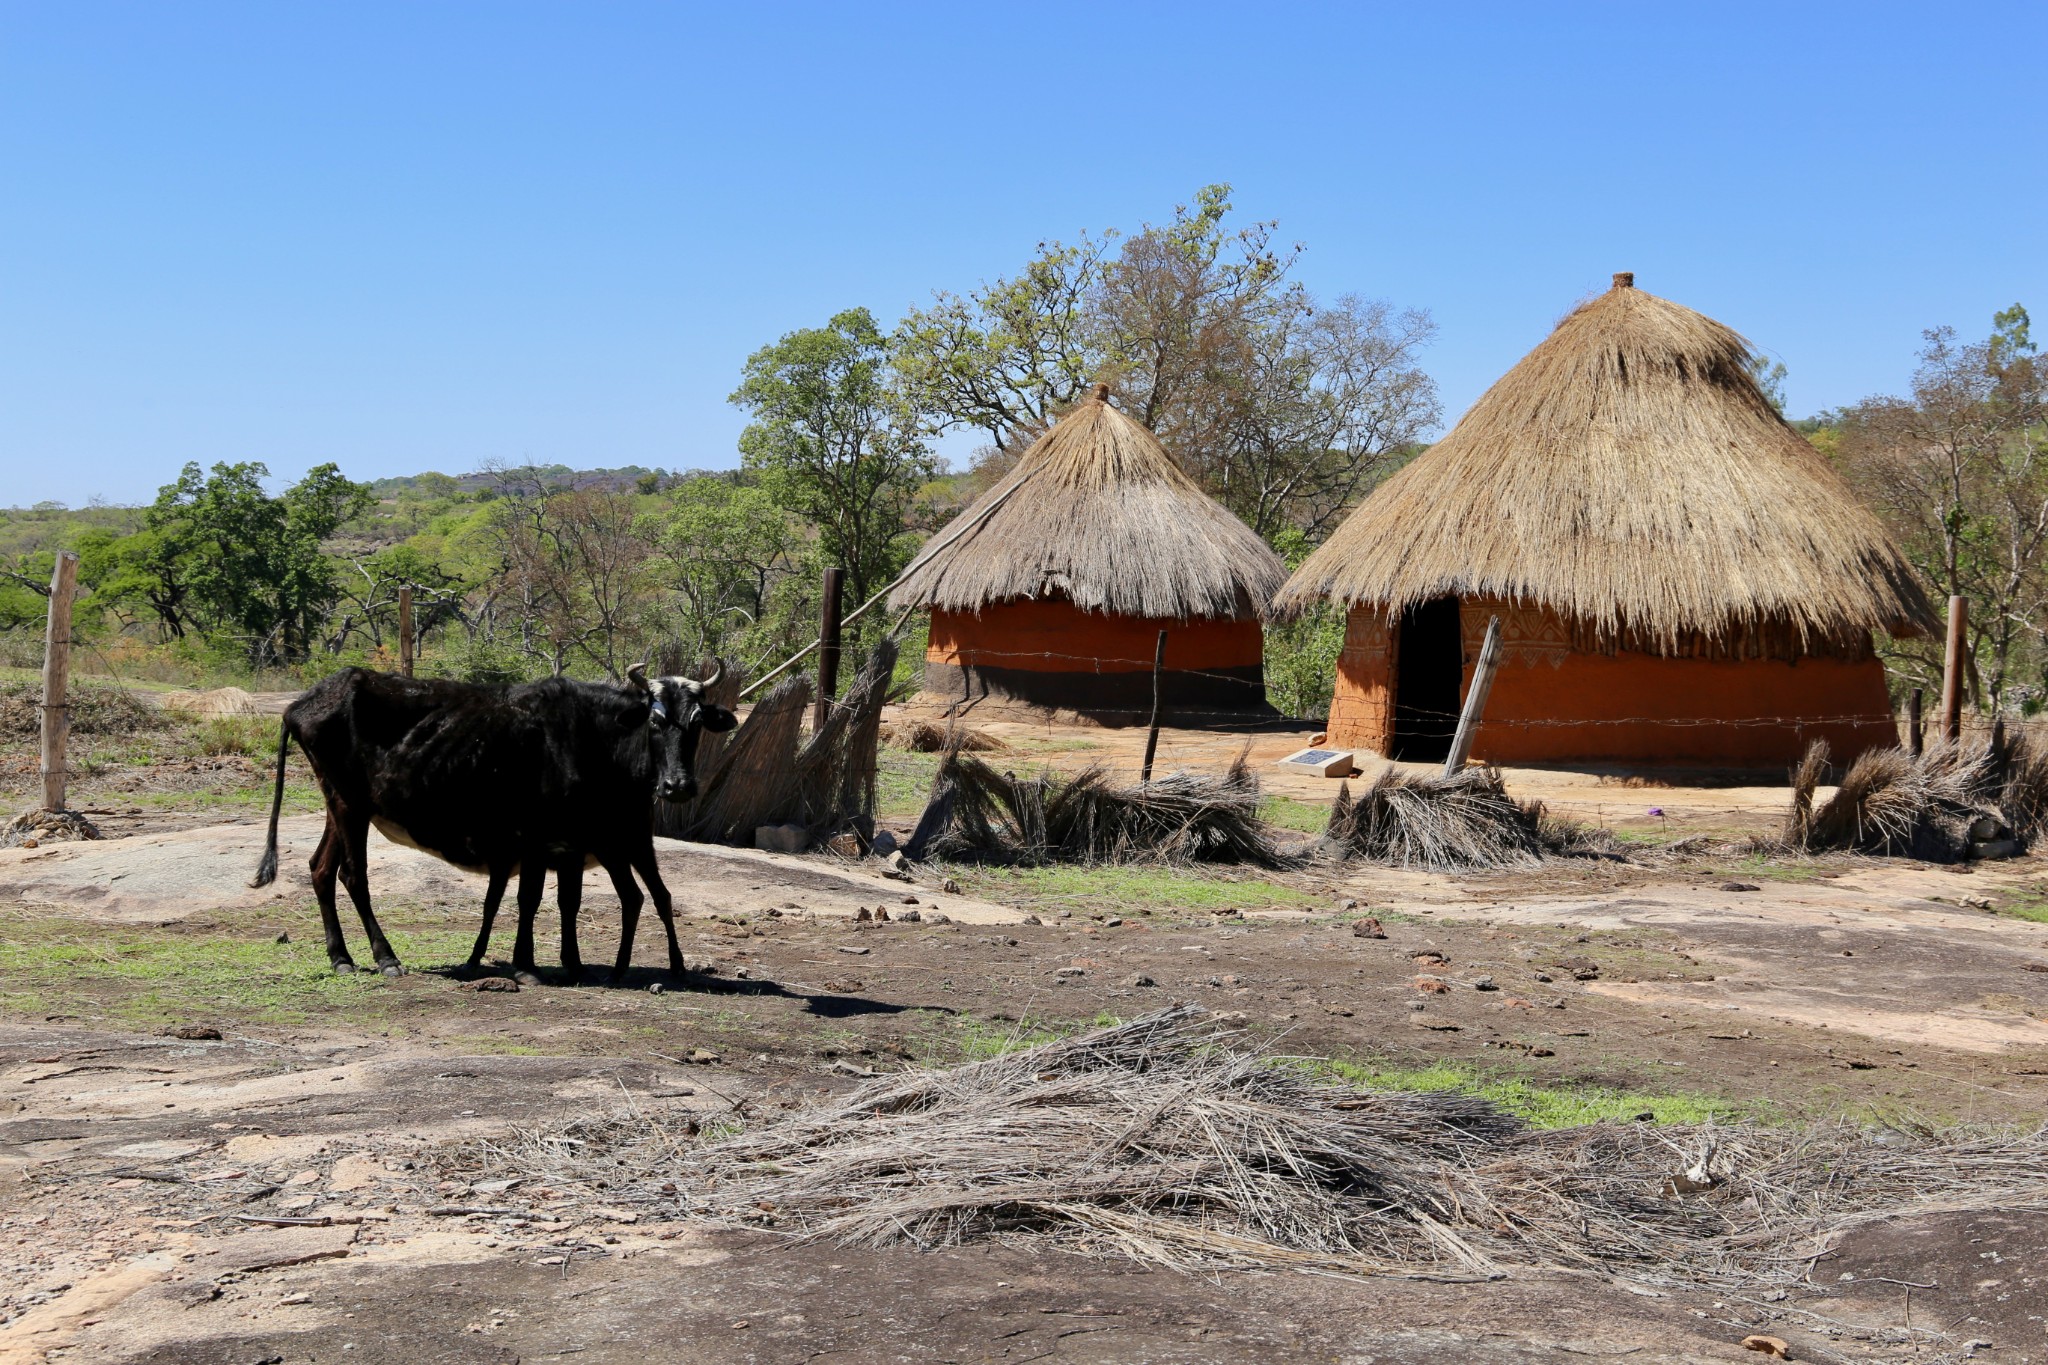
554	774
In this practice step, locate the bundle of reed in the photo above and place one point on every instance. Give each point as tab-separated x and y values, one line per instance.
1176	1142
754	781
835	772
1933	806
1428	819
977	813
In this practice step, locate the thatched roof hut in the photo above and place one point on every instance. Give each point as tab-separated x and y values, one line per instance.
1052	587
1625	493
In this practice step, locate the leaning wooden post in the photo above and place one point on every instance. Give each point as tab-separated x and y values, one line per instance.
1952	670
1475	699
405	630
57	679
828	647
1152	735
1915	741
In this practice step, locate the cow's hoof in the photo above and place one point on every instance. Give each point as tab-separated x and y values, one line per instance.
344	968
528	978
392	969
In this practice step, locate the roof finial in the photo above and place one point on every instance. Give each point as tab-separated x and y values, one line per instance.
1624	279
1100	393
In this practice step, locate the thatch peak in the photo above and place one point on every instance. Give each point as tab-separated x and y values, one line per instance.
1097	512
1629	473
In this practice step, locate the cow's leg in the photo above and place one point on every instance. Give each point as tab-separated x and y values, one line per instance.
533	878
569	896
494	896
630	901
650	872
355	872
326	862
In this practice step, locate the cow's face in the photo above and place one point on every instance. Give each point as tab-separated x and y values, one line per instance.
676	713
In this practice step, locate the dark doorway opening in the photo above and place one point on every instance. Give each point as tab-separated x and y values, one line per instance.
1429	668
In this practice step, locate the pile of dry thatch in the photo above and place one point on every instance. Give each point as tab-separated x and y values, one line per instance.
979	814
1172	1141
1934	806
922	736
765	773
1447	822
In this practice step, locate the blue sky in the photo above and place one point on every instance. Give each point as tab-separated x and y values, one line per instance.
430	234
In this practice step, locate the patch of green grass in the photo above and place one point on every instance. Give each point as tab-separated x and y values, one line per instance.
1306	817
1074	886
151	975
1543	1106
903	782
977	1040
2029	903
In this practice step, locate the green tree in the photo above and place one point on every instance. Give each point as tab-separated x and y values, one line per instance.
834	442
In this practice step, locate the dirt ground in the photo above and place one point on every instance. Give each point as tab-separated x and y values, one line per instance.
1670	986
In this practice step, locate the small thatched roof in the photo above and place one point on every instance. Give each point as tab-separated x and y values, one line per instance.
1096	511
1630	474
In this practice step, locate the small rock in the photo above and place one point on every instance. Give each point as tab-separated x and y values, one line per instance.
1484	983
934	917
655	988
1113	922
1416	1005
781	838
881	914
292	1300
702	1056
194	1033
497	983
1544	977
897	862
1033	919
950	887
1429	985
911	916
1141	980
885	843
1347	904
1071	971
1340	1011
284	938
1428	957
1739	886
1368	927
1774	1347
845	985
851	948
864	916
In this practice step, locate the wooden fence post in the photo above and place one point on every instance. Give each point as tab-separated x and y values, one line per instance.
828	647
1952	670
405	630
1475	699
1152	736
1915	741
57	679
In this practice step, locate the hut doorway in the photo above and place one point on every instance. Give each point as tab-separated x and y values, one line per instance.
1429	670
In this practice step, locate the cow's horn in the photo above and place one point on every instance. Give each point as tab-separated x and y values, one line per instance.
706	684
638	674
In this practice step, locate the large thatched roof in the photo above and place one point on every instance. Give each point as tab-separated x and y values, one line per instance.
1098	512
1630	474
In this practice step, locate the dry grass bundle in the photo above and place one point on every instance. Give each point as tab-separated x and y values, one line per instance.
754	781
836	770
1097	512
1932	807
1172	1141
95	710
1425	819
218	701
926	737
976	813
1629	474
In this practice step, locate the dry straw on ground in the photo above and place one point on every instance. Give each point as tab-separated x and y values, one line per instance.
1629	473
218	701
1934	806
95	710
1173	1141
1463	820
978	813
1098	513
921	736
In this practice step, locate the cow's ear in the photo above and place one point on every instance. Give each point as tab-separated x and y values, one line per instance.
717	718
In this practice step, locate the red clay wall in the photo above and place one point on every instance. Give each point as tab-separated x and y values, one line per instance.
1553	704
1052	653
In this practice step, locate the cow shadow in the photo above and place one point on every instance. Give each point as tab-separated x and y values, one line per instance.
823	1005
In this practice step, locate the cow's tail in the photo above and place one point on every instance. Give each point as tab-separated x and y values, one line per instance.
266	871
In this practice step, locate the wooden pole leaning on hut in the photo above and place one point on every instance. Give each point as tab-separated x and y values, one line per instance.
1952	670
828	647
1916	742
1152	735
57	679
405	630
1475	699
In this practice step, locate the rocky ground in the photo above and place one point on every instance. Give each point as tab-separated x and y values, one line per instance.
151	1172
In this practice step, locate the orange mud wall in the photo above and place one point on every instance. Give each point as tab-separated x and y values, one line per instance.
1051	653
1552	703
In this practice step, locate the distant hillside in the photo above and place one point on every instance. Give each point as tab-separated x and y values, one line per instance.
433	485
